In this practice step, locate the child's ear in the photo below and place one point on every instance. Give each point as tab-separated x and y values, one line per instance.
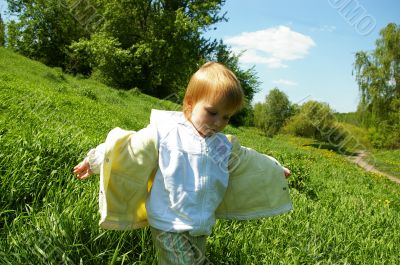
189	105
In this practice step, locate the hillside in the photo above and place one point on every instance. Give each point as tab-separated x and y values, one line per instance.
49	120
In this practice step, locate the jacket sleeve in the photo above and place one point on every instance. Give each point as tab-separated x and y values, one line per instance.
257	185
130	161
95	158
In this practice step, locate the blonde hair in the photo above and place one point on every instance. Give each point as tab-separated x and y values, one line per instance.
213	82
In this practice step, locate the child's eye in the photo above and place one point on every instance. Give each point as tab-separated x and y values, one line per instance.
212	113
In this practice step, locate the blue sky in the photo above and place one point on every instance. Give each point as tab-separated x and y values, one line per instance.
304	48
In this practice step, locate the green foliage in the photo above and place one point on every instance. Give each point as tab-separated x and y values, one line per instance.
244	117
342	215
12	34
316	120
114	64
258	111
155	46
376	137
357	137
2	32
43	30
385	136
152	45
378	77
386	160
272	115
349	117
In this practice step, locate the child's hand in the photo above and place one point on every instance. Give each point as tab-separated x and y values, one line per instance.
82	170
287	172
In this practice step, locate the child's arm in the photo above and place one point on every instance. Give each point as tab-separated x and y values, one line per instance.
82	170
91	164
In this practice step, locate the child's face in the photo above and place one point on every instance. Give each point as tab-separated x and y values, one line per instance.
209	118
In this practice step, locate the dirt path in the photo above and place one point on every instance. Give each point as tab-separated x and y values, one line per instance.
360	161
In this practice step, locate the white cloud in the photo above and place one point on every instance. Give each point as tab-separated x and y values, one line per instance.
271	46
285	82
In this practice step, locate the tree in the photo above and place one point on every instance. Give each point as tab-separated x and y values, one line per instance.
378	77
316	120
161	43
259	115
272	115
43	30
2	32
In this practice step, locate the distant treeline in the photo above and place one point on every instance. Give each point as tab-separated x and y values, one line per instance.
151	45
378	76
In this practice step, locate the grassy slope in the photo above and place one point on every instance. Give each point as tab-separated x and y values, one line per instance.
49	120
386	160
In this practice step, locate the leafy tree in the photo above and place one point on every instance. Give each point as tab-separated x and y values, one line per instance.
378	77
272	115
114	65
259	115
316	120
43	29
2	32
12	35
161	41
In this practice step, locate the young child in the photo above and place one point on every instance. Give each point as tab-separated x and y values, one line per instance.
180	173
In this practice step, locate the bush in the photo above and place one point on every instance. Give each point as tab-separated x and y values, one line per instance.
112	64
298	125
316	120
385	136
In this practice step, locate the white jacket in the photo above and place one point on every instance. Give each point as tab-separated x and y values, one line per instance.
256	186
191	178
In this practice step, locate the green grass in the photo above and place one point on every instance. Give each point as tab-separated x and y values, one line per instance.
49	120
386	160
357	138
